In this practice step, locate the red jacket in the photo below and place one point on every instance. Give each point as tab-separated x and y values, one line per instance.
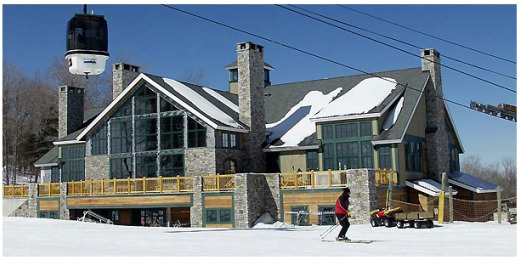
341	208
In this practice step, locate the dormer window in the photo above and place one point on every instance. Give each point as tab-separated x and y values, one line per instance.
233	75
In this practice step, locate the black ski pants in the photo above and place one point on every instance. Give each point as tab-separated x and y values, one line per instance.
343	220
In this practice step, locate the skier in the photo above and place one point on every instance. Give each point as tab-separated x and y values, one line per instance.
343	214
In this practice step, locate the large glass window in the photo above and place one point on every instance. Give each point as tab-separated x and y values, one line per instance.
121	168
145	134
172	165
166	106
385	157
348	145
312	160
73	160
145	166
196	134
327	132
366	154
121	136
145	101
328	157
413	155
346	131
98	140
172	132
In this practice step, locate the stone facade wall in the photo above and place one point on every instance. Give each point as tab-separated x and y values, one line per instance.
250	61
70	109
97	167
123	75
196	208
363	194
437	148
199	161
29	208
256	194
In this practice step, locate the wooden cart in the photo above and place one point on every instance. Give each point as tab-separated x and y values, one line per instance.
414	219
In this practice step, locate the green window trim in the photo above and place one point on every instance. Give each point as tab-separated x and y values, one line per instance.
99	141
218	216
72	163
347	145
196	134
233	75
413	152
171	165
385	157
121	167
312	160
145	165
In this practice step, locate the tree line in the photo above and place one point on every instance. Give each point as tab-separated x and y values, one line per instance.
30	113
501	173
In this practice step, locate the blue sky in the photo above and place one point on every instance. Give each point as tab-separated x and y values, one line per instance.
168	43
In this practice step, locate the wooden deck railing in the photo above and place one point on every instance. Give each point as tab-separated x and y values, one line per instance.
49	189
16	191
131	186
218	182
312	179
383	177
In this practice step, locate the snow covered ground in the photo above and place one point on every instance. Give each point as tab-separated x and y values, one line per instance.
47	237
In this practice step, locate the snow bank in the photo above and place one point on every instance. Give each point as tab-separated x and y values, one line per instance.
58	238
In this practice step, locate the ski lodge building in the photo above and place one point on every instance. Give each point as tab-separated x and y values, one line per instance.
167	153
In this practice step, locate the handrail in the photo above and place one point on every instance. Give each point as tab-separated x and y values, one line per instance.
218	182
383	177
16	191
49	189
312	179
131	186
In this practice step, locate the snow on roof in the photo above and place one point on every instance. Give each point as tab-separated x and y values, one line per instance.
428	186
366	95
471	183
393	114
222	99
296	124
203	104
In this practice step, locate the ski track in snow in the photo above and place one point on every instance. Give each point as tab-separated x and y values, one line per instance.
47	237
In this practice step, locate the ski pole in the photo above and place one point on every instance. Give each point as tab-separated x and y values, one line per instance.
329	230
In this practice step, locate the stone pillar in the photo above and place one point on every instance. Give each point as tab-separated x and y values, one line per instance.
70	109
64	211
122	75
240	200
196	208
250	61
33	201
437	146
256	194
363	194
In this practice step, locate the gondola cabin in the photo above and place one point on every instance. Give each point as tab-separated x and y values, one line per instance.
87	44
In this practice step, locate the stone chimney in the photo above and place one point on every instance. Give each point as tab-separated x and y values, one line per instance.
250	62
122	74
437	134
71	108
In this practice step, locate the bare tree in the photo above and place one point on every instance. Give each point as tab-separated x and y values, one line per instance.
98	89
502	174
195	77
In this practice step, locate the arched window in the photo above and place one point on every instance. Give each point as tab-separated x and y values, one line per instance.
230	166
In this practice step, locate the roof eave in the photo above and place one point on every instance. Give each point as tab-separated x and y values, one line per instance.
291	148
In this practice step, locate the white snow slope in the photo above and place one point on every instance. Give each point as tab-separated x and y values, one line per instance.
47	237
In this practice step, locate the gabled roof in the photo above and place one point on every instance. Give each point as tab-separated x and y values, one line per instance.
217	109
234	65
298	106
428	186
471	183
48	159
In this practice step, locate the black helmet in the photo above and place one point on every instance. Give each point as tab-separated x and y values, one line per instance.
346	190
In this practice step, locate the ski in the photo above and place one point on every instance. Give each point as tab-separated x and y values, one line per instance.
349	241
